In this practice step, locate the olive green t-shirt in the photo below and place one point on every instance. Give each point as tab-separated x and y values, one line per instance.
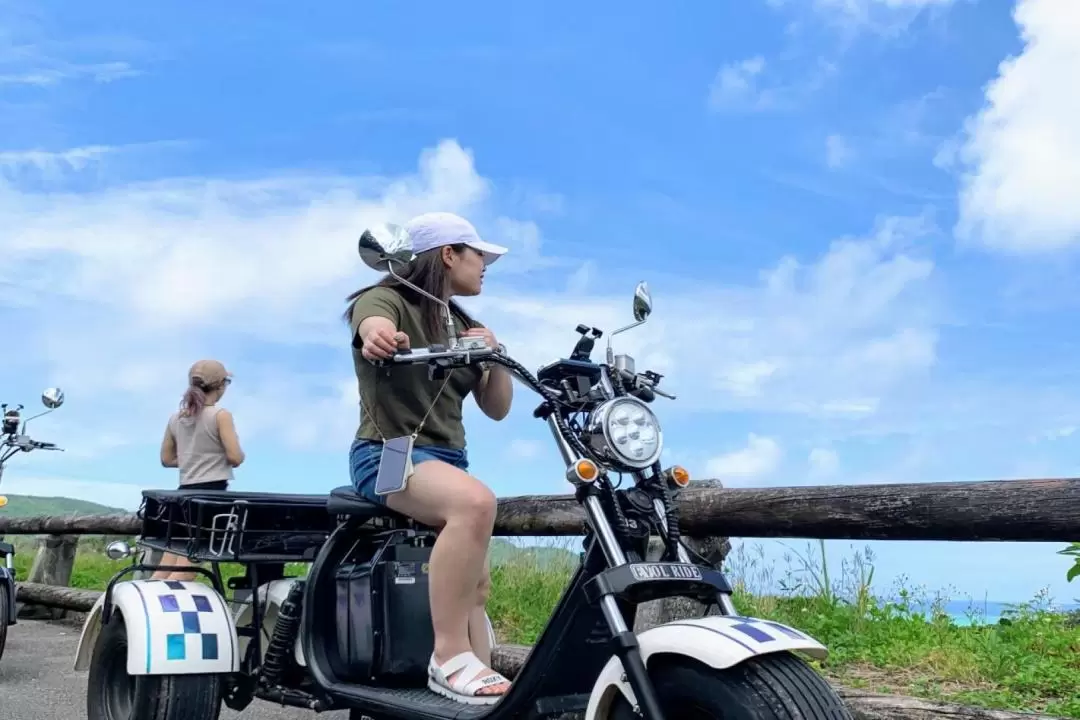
395	398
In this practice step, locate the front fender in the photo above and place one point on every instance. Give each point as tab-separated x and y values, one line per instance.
173	628
719	641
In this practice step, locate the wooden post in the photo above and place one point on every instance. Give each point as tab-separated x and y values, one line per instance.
713	549
658	612
53	564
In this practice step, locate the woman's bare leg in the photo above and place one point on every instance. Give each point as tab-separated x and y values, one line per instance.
175	568
177	574
169	561
463	508
478	628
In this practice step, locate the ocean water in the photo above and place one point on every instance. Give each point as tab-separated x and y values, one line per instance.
986	612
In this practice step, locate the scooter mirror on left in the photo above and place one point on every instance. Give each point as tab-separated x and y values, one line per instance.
388	248
642	302
118	550
385	245
52	398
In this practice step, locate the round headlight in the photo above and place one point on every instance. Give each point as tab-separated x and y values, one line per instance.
627	431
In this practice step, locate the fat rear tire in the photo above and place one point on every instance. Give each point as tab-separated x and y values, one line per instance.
6	611
113	694
777	686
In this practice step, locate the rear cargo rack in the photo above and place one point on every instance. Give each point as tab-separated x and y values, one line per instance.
226	526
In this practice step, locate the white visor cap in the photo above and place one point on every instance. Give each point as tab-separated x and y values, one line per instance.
438	229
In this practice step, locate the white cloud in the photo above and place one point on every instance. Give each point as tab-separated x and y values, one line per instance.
173	270
759	458
882	16
118	290
736	85
741	86
31	56
50	162
524	449
746	380
837	152
52	72
860	7
179	252
823	462
1021	189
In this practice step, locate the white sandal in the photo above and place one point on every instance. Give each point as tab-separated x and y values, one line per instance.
464	687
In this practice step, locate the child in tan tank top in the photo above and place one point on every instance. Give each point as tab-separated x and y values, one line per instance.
201	441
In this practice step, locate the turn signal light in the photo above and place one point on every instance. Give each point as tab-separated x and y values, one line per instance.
583	471
679	476
3	501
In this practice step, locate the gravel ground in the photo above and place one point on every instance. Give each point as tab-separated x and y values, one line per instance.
37	682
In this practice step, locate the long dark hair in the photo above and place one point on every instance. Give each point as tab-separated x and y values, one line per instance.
426	271
194	399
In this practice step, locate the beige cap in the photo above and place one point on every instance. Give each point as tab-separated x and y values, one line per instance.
209	372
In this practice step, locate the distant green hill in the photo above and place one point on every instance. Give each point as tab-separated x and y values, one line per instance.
32	505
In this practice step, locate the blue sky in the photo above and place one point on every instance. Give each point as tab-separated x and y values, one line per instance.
858	219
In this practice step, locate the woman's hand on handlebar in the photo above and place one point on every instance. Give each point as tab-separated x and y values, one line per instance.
489	337
379	343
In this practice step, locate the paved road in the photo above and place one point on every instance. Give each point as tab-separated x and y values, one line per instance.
37	682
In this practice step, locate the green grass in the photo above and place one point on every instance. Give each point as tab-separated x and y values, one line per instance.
1030	661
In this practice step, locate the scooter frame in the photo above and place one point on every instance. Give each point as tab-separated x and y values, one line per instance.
584	658
560	673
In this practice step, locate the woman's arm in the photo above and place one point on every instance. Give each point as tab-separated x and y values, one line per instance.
380	335
495	392
227	431
168	449
374	319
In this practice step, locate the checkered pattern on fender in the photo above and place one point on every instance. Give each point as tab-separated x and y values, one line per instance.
186	638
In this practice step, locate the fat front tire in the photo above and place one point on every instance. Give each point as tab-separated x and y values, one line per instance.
778	686
113	694
6	611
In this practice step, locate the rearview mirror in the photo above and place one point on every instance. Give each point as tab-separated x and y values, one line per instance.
118	550
642	302
642	309
52	398
384	246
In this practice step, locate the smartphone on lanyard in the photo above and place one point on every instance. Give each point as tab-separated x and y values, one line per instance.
395	465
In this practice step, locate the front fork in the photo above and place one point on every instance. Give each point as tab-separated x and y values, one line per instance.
625	641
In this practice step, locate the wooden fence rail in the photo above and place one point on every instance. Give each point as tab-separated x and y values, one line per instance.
1010	510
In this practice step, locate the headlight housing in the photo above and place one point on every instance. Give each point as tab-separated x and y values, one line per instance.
626	432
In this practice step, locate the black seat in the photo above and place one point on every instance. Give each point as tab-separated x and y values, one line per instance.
346	501
7	548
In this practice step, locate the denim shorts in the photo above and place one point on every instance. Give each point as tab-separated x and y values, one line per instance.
364	464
